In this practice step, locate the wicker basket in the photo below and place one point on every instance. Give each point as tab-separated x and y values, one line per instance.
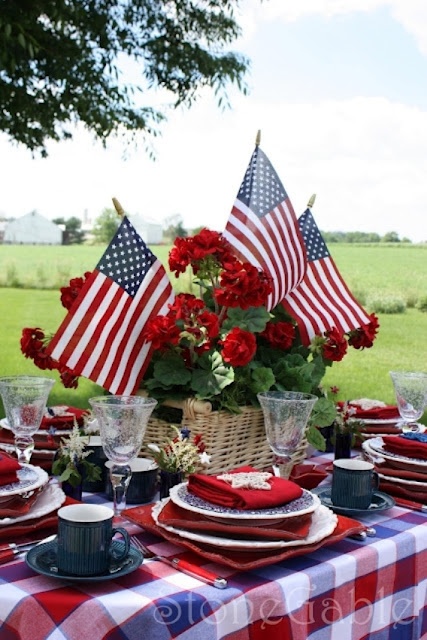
232	440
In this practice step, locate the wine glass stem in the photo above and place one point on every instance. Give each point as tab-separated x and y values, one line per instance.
120	476
284	466
24	446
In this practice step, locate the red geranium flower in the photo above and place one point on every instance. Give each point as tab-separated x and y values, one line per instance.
70	293
335	346
161	331
364	337
239	347
242	285
279	334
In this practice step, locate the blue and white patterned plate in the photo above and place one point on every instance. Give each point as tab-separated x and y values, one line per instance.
307	503
30	478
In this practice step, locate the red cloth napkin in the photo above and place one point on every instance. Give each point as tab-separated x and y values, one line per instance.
8	469
376	413
63	421
211	489
405	447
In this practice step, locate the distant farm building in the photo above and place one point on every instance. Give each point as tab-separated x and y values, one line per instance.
149	230
32	229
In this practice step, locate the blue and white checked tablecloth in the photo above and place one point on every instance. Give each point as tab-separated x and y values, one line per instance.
352	590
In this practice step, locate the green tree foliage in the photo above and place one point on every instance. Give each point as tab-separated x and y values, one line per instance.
106	226
61	62
354	237
174	227
73	233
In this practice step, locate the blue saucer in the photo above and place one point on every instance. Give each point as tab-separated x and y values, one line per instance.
380	502
43	559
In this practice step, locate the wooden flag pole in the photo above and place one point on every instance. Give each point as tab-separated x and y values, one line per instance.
258	138
118	207
311	201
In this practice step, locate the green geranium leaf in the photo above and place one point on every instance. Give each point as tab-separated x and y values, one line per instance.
262	379
324	413
171	370
212	377
253	319
315	438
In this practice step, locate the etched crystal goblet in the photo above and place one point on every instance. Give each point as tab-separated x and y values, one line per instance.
24	400
410	388
122	422
286	414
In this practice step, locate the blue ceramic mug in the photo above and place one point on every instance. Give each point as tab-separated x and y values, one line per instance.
353	483
85	533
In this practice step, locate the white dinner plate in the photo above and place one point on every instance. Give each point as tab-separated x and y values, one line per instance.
50	498
307	503
322	525
374	448
30	478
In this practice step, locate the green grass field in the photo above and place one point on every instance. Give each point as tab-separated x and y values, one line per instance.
387	270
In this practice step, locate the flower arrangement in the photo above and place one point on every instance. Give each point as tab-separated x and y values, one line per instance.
345	422
181	453
71	464
223	345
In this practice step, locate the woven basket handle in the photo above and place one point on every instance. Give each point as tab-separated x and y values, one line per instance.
190	406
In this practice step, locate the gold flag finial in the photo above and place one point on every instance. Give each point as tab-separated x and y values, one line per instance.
311	201
258	138
118	207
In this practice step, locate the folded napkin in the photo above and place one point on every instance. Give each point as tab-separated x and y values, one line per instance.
362	411
308	476
380	429
401	474
8	469
16	505
62	417
400	491
212	489
411	445
30	530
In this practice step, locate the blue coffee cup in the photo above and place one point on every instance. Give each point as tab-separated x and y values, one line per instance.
353	483
85	533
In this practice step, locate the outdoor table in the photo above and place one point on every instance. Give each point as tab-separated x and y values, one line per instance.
352	590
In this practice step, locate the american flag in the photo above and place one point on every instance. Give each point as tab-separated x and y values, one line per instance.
263	228
322	300
100	338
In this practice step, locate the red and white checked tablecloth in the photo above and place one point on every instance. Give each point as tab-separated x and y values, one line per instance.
352	590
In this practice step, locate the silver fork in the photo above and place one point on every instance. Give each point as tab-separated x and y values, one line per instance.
182	565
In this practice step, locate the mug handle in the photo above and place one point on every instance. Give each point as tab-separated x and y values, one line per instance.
375	480
126	540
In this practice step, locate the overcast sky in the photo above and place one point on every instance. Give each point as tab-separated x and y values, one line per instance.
338	89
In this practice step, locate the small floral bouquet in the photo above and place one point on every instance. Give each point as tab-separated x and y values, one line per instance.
181	453
71	465
345	422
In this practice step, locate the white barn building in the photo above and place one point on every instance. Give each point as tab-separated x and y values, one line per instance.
32	229
149	230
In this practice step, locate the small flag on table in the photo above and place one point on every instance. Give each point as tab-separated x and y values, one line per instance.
263	228
322	300
101	337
